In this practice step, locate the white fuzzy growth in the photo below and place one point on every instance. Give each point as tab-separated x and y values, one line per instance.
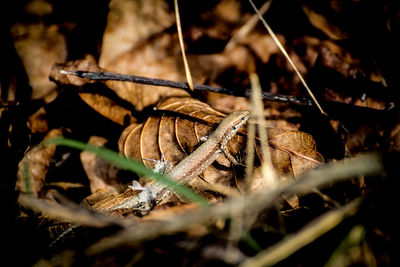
146	195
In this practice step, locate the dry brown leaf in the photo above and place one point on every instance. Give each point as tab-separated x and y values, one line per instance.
292	153
38	163
149	149
39	46
156	58
300	150
108	108
168	144
100	103
86	64
263	45
39	8
160	57
102	175
130	22
37	122
321	22
348	79
132	131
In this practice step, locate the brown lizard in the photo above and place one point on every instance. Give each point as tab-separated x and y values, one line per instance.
193	165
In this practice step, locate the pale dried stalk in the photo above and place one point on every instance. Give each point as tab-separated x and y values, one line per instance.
248	26
257	111
220	188
251	135
180	36
278	43
74	214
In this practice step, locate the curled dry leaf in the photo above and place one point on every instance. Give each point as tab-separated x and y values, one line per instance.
38	162
39	46
108	108
87	64
156	58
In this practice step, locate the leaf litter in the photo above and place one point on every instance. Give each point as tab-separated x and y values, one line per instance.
161	124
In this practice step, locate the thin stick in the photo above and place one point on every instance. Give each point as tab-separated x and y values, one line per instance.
278	43
107	76
185	62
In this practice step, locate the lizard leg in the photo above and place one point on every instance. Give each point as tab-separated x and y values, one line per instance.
229	156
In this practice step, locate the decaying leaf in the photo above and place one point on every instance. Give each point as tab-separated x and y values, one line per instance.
103	104
156	58
39	46
37	122
347	82
130	22
36	163
102	175
108	108
319	21
299	149
86	64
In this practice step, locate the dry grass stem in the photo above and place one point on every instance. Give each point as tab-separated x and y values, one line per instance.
257	110
308	234
283	50
248	26
251	135
185	62
220	188
75	214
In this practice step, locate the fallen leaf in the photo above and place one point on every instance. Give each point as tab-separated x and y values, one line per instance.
37	122
39	46
108	108
295	151
102	175
102	103
37	163
86	64
321	22
130	22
